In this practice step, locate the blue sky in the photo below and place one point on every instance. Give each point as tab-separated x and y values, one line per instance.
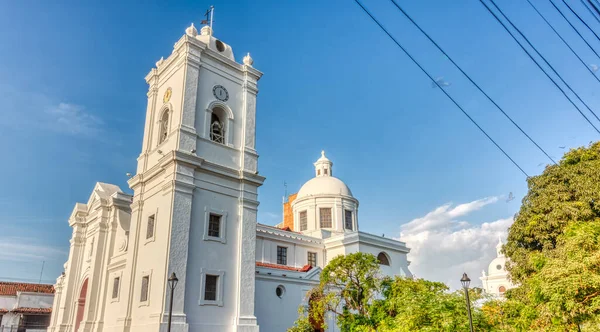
71	81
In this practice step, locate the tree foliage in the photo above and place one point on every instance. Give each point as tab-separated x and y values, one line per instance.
564	193
352	290
554	250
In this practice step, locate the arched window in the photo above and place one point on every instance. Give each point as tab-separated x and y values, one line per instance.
383	259
163	126
217	128
502	289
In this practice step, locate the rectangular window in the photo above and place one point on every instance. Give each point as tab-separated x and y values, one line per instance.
115	292
348	219
303	221
312	258
150	227
145	284
325	215
210	287
214	225
281	255
33	322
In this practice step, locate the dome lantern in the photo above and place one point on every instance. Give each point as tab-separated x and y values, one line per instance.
323	166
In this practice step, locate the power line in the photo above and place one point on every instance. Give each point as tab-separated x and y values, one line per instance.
543	58
589	10
441	89
471	80
574	28
581	20
539	66
564	41
595	7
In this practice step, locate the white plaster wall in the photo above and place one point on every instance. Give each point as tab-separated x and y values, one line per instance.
215	256
10	319
277	314
398	260
35	300
336	203
7	302
297	254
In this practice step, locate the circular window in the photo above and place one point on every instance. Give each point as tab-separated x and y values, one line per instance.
499	267
220	45
279	291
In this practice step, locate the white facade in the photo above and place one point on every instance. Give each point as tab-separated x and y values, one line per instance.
193	212
496	280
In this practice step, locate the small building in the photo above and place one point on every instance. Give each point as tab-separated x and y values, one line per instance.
25	306
496	281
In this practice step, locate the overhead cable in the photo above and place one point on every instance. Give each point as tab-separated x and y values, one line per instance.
565	42
535	61
470	79
441	89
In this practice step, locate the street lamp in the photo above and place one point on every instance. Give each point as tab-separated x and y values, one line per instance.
172	284
465	281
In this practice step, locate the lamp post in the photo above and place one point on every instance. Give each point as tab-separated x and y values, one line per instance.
465	281
172	284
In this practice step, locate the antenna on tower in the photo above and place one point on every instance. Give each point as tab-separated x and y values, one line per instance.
42	272
209	18
285	192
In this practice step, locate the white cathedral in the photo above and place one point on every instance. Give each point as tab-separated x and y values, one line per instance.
194	213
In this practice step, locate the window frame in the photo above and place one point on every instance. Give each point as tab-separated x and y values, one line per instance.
147	299
321	209
222	238
305	220
220	274
308	256
153	218
120	276
226	118
165	110
387	258
282	254
116	287
351	228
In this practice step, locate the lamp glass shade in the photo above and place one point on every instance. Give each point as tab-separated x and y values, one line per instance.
173	280
465	281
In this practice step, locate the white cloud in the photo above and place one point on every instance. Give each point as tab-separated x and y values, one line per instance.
73	119
17	249
443	246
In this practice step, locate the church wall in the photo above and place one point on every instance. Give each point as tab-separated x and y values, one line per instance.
214	255
210	151
297	254
151	255
277	314
171	78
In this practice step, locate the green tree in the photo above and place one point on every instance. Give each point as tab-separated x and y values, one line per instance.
564	193
421	305
554	250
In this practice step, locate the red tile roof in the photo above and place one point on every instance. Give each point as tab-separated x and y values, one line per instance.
11	288
305	268
32	310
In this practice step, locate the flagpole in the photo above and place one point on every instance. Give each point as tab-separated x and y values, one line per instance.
212	9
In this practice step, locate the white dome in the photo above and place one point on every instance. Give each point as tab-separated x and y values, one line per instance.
497	266
324	185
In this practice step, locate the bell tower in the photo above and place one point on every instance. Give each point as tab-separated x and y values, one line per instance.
195	192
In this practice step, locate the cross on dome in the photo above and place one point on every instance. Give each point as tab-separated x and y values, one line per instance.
323	166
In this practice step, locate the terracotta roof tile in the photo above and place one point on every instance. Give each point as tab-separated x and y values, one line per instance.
32	310
11	288
305	268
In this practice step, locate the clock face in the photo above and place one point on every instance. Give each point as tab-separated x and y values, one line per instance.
167	95
220	93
